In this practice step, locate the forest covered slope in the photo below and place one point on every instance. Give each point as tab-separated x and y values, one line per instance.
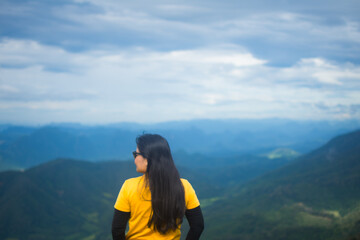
315	197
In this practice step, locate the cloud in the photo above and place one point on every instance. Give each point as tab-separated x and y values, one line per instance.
325	73
280	33
126	85
341	111
285	26
17	53
101	61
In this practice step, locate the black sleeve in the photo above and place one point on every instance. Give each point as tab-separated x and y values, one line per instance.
196	222
119	223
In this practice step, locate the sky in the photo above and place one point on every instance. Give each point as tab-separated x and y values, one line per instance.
108	61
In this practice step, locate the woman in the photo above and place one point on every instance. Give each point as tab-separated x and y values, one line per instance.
155	203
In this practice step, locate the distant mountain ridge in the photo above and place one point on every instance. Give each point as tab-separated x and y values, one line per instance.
24	147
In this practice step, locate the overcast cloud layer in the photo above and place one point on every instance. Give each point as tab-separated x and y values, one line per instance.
95	61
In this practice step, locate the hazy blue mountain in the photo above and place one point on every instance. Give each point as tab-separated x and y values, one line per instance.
314	197
50	142
227	171
28	146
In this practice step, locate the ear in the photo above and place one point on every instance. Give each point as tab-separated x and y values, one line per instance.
146	164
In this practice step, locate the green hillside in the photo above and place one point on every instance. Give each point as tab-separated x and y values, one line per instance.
69	199
63	199
315	197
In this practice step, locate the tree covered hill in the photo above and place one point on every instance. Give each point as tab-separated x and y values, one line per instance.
315	197
70	199
62	199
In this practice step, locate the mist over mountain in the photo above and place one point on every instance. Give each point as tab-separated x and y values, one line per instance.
22	147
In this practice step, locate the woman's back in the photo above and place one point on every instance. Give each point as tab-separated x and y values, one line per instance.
155	203
135	197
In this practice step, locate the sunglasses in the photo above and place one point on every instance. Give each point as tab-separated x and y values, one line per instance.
135	154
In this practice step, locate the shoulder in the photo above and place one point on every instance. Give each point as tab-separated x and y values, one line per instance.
133	181
191	199
184	181
186	184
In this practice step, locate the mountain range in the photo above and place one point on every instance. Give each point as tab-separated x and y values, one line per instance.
315	196
23	146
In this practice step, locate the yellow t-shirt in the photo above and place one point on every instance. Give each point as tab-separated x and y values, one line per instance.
136	199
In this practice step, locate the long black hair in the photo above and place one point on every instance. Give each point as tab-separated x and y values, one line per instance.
167	191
